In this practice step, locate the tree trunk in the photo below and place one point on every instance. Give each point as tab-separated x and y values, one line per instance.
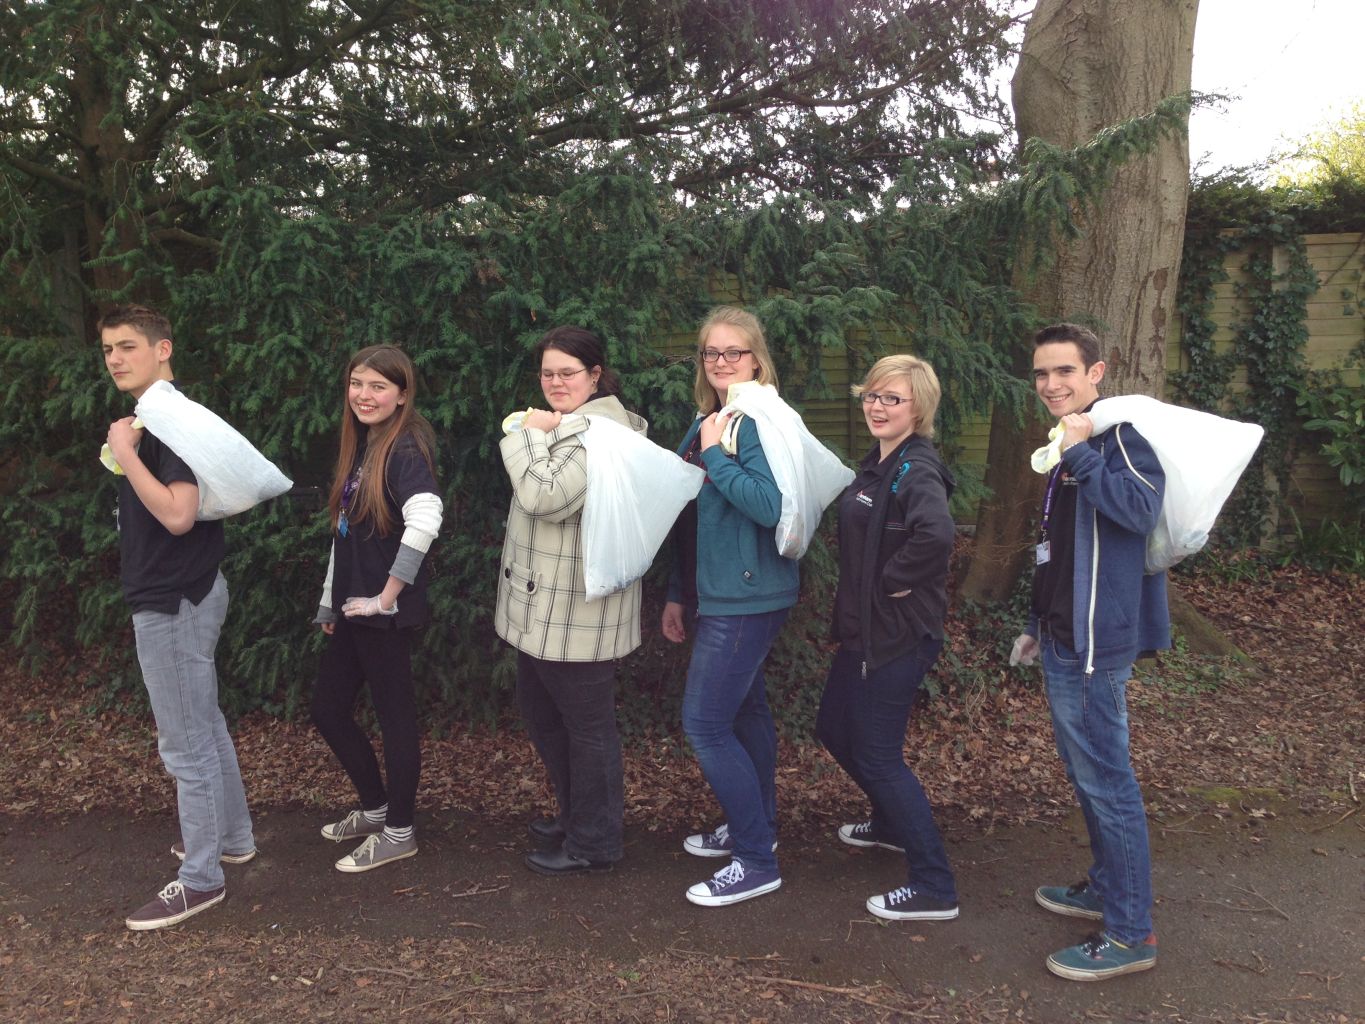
1085	65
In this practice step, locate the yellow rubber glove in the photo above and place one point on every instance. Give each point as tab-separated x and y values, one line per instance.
107	455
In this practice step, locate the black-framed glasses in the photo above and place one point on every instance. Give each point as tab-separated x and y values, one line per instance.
564	375
730	355
890	401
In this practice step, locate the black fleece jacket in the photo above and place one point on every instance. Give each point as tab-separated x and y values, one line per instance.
895	534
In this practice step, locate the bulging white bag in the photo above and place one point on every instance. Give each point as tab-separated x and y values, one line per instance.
808	474
1202	455
232	475
635	491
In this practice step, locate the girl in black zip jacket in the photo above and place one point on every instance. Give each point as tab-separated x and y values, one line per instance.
895	539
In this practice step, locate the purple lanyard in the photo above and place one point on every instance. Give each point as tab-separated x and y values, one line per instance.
1047	499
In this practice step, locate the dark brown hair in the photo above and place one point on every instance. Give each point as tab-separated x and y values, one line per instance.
145	320
587	348
1082	337
369	504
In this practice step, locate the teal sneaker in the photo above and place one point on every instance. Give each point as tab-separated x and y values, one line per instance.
1100	957
1077	900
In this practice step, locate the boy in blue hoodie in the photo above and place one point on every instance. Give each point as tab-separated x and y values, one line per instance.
1094	611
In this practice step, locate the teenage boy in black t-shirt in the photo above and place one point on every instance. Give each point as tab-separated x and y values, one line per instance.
179	599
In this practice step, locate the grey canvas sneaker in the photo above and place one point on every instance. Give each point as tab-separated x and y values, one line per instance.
353	826
376	851
172	905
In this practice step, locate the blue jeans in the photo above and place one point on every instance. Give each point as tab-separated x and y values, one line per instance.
1090	720
176	655
727	721
862	724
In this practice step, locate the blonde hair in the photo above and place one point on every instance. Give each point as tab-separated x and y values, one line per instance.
924	388
747	324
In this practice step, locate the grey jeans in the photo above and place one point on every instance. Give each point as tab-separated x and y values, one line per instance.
176	655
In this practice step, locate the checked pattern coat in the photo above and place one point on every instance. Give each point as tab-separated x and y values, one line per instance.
542	608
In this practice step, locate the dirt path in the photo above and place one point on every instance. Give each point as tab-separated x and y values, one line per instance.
1259	920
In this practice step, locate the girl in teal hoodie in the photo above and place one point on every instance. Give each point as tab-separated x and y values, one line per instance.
730	581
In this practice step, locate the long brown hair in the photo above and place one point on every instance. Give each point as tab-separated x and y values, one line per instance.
369	502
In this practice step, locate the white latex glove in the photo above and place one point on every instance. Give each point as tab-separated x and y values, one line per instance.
356	607
1025	650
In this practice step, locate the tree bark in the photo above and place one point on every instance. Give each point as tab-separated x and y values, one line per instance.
1085	65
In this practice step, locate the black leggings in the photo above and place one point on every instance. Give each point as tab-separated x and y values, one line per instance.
355	655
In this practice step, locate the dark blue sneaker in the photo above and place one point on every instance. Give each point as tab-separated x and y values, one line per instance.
713	844
906	904
861	834
733	884
1077	900
1100	957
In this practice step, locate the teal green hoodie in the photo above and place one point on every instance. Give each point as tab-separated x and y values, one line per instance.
739	571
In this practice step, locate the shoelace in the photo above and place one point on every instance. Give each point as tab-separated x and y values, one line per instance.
728	875
173	891
1094	945
1078	888
367	848
721	835
862	830
901	895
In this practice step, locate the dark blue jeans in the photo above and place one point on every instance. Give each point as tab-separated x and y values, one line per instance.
1090	720
569	708
727	721
862	723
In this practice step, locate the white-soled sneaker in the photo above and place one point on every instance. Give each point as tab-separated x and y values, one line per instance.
376	851
733	884
907	904
353	826
713	844
861	834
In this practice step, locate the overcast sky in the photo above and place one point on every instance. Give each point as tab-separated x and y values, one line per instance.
1294	63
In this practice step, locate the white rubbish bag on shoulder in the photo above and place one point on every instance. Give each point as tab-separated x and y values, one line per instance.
1202	455
635	491
808	474
232	475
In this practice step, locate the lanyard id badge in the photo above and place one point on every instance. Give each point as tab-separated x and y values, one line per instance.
1042	551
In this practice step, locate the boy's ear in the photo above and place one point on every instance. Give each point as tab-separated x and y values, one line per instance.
163	350
1096	371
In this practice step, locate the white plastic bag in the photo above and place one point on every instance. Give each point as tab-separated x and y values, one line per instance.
635	491
808	474
232	475
1202	455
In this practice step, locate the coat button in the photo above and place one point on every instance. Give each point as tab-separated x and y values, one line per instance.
530	588
748	575
507	573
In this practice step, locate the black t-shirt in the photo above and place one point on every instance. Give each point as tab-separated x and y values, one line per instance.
158	568
363	558
1054	582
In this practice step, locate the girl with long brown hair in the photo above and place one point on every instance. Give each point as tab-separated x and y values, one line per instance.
385	475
